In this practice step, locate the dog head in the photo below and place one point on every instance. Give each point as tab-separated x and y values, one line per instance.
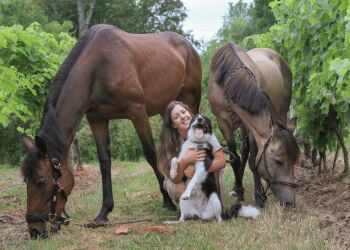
200	129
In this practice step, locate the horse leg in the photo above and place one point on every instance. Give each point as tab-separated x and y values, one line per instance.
143	130
101	134
245	147
227	130
260	196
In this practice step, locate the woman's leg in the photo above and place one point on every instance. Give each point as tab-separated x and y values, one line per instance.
174	190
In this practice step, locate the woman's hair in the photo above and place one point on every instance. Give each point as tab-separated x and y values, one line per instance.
169	140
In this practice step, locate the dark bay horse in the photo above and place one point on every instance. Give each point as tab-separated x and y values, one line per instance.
109	74
252	90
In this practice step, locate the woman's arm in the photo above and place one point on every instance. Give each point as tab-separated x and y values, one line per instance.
219	161
190	158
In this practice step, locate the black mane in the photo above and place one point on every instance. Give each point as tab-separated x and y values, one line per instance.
56	143
63	72
29	163
50	130
238	81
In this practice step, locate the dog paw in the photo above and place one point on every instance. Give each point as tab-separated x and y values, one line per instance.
233	193
185	196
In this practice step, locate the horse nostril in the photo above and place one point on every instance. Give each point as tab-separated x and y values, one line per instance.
286	203
286	198
34	233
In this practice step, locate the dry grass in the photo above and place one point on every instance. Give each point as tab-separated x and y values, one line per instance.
137	197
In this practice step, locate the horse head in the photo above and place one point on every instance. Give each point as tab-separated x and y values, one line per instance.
276	163
49	181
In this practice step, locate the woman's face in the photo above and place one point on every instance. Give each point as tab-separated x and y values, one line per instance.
180	118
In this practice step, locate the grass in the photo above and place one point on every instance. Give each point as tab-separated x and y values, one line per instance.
136	196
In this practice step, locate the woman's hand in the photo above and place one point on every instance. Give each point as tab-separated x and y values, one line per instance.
189	171
194	155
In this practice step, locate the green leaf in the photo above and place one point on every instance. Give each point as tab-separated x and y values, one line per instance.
341	66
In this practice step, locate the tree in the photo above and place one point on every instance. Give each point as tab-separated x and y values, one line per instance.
237	23
84	18
22	12
262	16
29	60
130	15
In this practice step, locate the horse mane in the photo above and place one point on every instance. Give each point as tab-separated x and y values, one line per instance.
29	163
63	72
238	80
55	140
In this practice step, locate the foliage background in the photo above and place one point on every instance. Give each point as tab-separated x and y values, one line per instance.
313	36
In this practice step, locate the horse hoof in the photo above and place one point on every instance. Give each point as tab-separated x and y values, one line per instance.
96	224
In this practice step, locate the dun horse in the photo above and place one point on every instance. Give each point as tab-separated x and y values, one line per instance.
253	91
109	74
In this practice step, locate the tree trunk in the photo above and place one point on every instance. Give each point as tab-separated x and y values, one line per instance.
84	20
345	151
335	156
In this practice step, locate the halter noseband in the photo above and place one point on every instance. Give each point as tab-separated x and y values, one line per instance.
52	216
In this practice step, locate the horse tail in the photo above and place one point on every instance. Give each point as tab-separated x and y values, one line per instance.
237	79
239	210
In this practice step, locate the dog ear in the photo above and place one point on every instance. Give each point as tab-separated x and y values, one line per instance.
193	118
210	128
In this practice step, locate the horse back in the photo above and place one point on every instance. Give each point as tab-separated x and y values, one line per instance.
275	78
140	69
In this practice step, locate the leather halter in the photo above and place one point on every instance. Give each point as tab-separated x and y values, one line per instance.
52	216
271	181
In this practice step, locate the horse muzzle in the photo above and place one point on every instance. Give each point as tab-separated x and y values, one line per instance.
37	223
37	230
285	196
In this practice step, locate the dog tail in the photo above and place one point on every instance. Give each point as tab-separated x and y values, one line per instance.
239	210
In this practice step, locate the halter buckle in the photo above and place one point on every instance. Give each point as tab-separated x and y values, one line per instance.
52	217
66	221
56	163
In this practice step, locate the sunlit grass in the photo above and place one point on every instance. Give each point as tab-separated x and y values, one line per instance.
136	197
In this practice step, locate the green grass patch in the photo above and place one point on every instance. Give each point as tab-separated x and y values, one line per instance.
136	196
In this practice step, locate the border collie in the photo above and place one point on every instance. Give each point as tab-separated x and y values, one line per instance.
200	199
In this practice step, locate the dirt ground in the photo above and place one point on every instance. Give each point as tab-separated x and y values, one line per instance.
325	196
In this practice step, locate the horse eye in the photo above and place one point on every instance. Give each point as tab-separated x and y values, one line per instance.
278	161
40	182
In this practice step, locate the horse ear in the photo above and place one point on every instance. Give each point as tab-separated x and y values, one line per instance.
27	143
41	145
292	123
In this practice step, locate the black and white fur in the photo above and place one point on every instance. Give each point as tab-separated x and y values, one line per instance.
200	199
